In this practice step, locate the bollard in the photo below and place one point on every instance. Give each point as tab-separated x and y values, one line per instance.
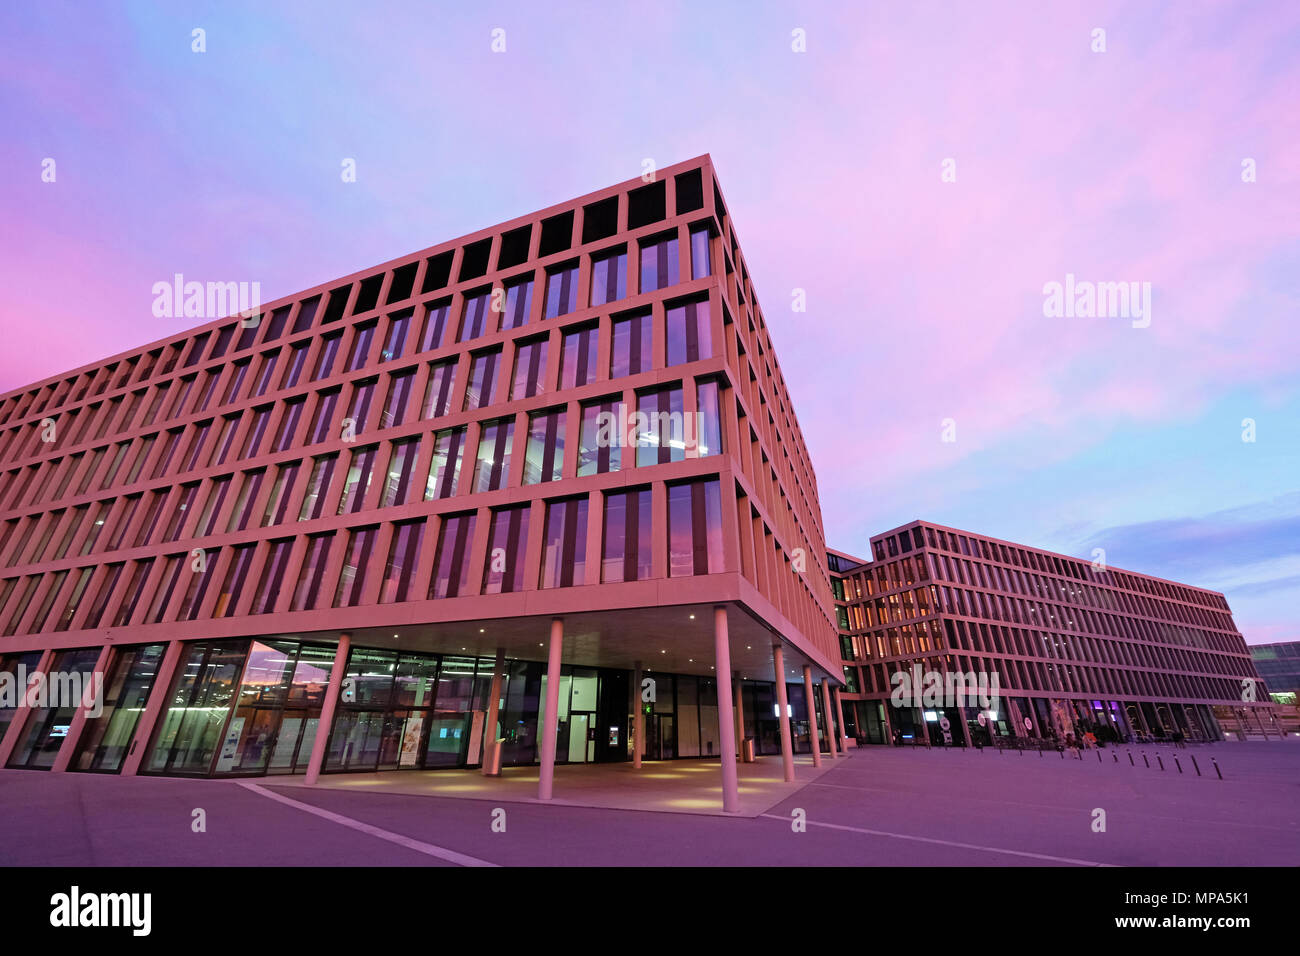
1196	765
1115	754
1216	767
1130	759
1160	760
1178	763
1145	760
1098	756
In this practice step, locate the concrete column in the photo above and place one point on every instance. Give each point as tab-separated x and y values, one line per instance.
638	717
489	766
551	717
153	708
830	721
736	686
726	726
813	735
783	711
332	694
14	732
96	690
839	710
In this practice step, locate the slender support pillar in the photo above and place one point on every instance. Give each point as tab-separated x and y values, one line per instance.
327	709
831	742
93	695
783	708
153	708
726	726
839	711
638	717
14	732
813	735
736	688
491	767
551	718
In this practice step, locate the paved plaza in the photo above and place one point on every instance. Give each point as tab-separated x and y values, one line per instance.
880	806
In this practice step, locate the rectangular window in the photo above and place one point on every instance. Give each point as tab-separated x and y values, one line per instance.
437	394
261	418
96	612
578	350
225	440
451	561
237	376
172	568
660	427
357	481
626	547
709	437
482	378
530	368
172	440
444	469
399	397
519	303
507	546
434	333
313	570
289	423
403	557
359	412
395	341
496	443
326	402
272	577
401	466
694	528
561	290
313	502
609	277
151	517
191	459
64	620
364	336
233	585
474	320
544	457
352	578
297	359
277	505
243	510
600	444
564	547
630	350
134	590
689	332
659	264
176	524
329	349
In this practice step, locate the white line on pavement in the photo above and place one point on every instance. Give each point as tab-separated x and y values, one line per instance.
954	843
418	846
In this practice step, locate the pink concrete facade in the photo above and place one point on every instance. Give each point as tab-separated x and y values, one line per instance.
410	455
1071	642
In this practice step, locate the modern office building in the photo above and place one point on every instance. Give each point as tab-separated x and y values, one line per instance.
1279	667
1075	647
356	529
